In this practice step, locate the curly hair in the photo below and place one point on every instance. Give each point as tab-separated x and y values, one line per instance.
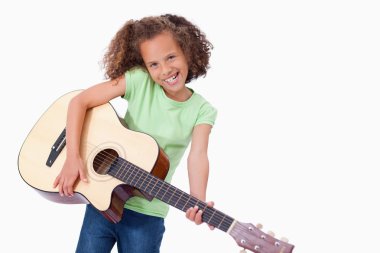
123	53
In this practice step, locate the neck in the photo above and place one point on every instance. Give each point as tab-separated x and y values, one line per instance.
179	96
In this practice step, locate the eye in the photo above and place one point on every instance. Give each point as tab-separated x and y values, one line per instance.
153	65
171	57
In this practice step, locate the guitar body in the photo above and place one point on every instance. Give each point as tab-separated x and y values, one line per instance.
103	133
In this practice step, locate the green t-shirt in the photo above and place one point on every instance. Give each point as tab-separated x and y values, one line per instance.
169	122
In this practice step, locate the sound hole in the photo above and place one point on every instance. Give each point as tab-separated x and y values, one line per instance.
104	160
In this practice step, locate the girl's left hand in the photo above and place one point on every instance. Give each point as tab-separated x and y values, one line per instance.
195	215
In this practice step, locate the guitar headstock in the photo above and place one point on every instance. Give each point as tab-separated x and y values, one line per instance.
252	238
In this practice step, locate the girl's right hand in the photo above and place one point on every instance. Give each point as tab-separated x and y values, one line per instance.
68	175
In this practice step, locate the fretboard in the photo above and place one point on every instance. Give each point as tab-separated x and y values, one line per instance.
158	188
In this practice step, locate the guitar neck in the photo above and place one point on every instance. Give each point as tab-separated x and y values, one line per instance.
246	235
158	188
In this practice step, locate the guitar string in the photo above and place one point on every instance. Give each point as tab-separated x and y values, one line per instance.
216	217
140	173
223	224
110	158
141	176
219	216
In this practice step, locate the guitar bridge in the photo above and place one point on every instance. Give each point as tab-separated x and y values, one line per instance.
57	147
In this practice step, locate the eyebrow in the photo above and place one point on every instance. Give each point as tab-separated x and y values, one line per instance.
150	62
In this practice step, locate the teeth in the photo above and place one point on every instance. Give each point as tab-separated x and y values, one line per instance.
171	79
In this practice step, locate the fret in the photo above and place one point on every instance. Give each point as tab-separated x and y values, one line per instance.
159	189
120	170
130	169
186	206
125	171
163	196
179	198
172	195
138	184
210	219
201	205
226	224
150	184
144	177
151	191
180	201
114	164
218	226
166	196
193	202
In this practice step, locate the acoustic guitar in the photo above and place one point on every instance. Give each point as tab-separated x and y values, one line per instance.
120	163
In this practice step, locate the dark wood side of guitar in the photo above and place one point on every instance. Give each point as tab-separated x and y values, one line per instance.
123	192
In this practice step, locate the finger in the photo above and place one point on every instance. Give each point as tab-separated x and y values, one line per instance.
210	203
60	187
82	175
56	181
70	190
193	213
66	188
198	217
189	212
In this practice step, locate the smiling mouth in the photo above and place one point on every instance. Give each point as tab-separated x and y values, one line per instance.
172	79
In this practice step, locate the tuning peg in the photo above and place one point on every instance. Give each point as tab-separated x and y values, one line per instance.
284	239
270	233
259	226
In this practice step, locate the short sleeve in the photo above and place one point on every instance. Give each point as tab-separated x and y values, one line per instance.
207	115
132	77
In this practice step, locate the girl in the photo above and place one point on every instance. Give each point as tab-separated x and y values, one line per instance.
148	63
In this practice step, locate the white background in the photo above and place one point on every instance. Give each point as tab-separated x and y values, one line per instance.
296	143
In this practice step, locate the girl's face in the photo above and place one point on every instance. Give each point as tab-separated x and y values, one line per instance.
167	65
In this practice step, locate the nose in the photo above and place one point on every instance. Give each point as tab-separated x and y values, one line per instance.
166	69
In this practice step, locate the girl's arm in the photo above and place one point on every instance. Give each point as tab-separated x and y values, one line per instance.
96	95
198	169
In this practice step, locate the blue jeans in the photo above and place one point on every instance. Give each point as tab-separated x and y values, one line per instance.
135	233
